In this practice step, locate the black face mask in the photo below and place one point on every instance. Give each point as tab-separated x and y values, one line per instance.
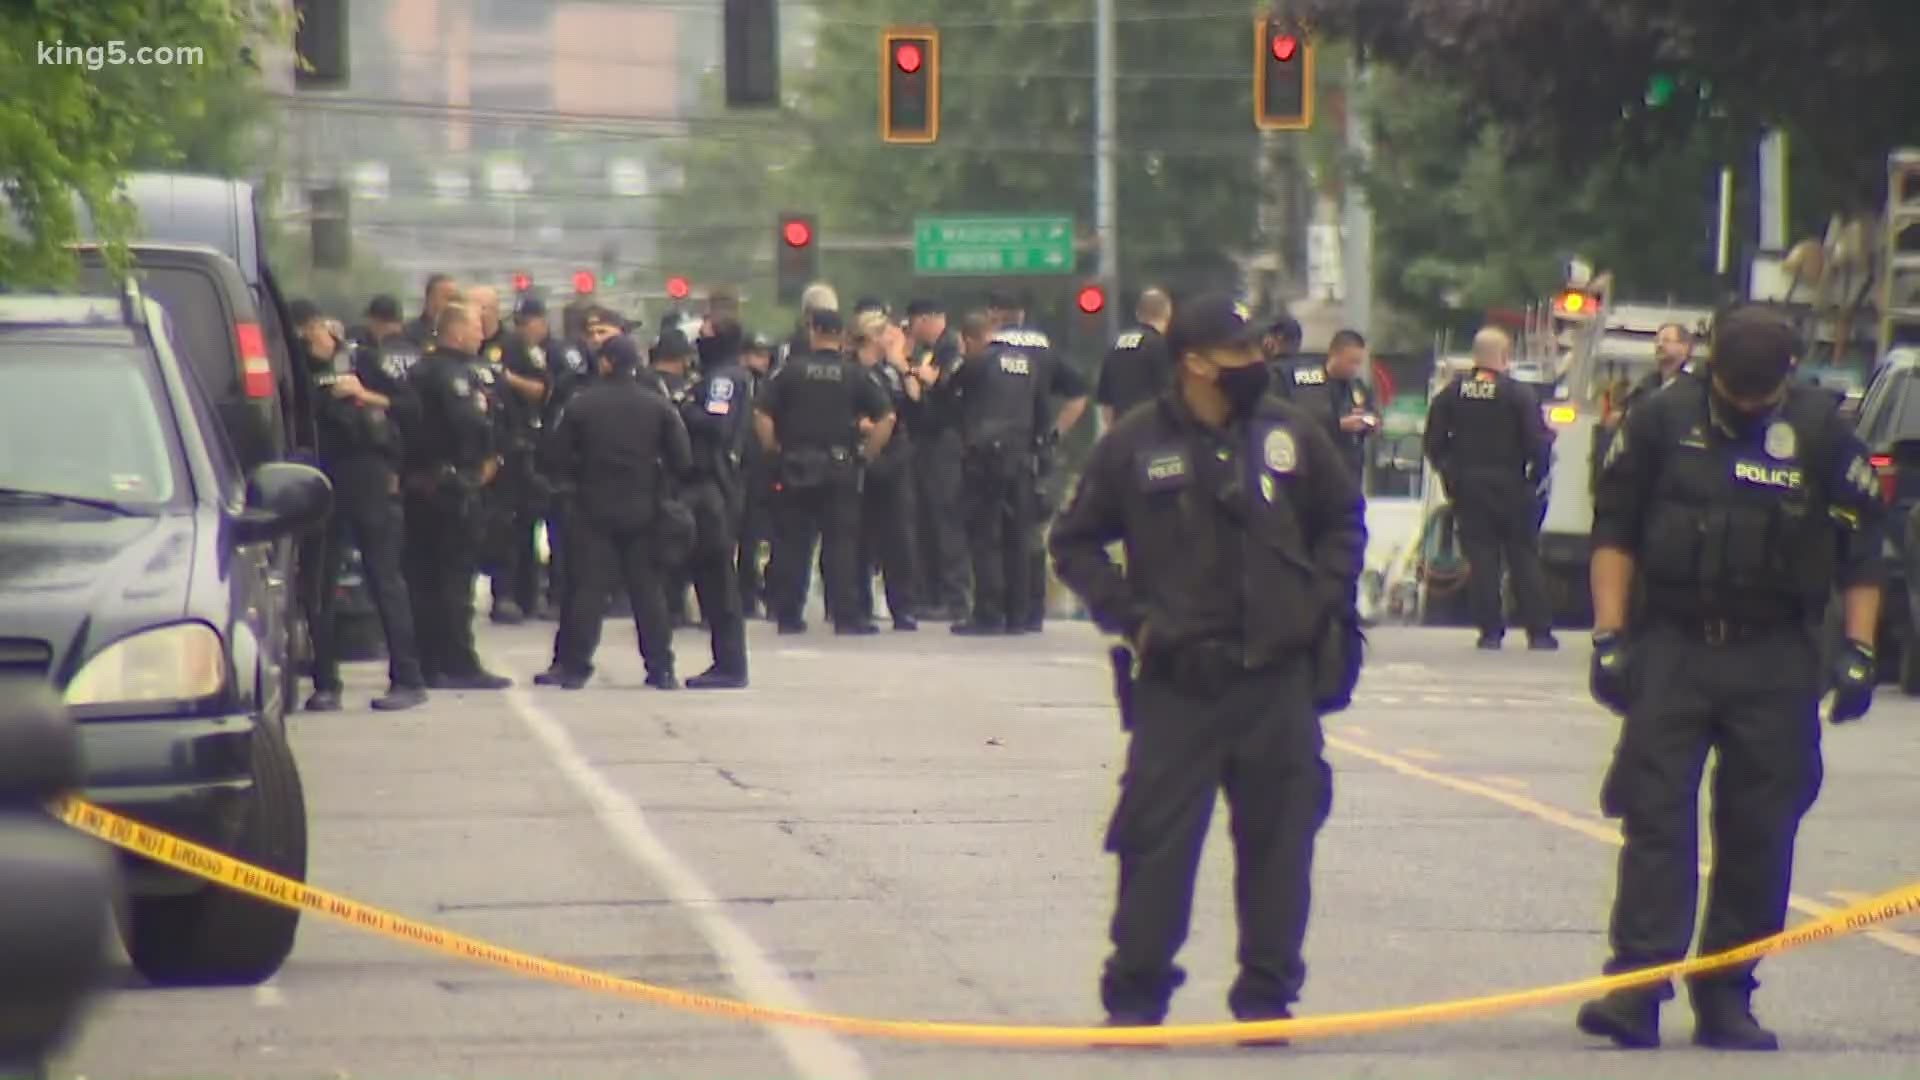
1243	387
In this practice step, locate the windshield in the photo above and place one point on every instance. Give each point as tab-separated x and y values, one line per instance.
84	422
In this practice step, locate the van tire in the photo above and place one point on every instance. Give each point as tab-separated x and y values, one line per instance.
216	936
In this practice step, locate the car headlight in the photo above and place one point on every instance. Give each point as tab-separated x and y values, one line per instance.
174	663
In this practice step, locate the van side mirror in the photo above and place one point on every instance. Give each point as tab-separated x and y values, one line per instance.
282	499
56	910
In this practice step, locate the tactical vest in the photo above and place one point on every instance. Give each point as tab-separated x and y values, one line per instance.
1738	525
1000	403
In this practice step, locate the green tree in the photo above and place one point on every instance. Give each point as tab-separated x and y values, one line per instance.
1571	80
72	128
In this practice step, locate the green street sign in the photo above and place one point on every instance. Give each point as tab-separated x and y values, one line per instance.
986	246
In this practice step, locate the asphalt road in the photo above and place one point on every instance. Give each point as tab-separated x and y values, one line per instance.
909	826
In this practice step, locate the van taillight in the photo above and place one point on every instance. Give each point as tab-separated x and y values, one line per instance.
1889	476
256	371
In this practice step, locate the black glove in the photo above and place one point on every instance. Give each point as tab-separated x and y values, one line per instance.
1608	675
1855	671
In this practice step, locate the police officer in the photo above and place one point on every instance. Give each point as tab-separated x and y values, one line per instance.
822	418
1137	368
1002	403
756	519
1280	344
441	291
360	401
1334	390
1739	502
580	371
619	443
945	583
886	500
1488	441
717	412
565	364
523	377
1244	537
1061	381
448	464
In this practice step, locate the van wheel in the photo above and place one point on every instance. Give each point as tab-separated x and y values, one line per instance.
218	937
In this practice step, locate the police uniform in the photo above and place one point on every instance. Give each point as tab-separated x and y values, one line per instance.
887	511
1739	527
1311	386
1000	394
1061	381
1243	546
756	517
445	466
362	451
519	491
945	571
1136	370
1487	439
717	408
816	401
620	444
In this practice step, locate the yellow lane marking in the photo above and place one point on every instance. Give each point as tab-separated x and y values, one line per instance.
1604	832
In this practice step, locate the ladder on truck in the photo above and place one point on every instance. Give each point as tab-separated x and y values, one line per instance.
1900	277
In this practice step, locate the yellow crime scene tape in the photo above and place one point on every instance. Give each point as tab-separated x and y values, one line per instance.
222	870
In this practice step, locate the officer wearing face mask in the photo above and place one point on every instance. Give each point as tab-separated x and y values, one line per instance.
1244	535
1739	502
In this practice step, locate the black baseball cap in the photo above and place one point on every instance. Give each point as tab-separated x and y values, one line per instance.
917	308
530	307
758	343
621	353
673	345
385	308
1752	352
1214	320
826	322
302	312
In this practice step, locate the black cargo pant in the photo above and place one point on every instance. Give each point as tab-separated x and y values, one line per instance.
946	574
1499	519
607	557
366	514
756	528
1000	535
1753	698
442	557
829	513
1259	738
515	511
712	568
887	536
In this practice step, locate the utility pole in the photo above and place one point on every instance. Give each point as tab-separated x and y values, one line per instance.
1105	198
1358	224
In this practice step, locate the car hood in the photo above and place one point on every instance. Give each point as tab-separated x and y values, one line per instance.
64	571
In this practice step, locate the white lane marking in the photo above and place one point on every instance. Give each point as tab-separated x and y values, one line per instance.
268	996
815	1055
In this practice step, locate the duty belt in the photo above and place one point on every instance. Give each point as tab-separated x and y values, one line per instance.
1717	630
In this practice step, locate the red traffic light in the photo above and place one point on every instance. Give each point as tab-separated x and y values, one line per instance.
522	282
1092	299
908	57
1285	47
797	234
677	287
583	281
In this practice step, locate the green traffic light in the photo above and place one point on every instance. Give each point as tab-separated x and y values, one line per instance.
1660	91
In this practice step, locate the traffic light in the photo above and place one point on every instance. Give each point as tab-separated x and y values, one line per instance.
678	288
522	282
753	53
909	85
1282	76
1092	299
1574	304
583	282
320	44
796	256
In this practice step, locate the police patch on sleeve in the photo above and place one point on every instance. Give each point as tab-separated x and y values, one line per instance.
538	354
393	366
1861	475
1280	452
720	396
1781	444
461	387
575	361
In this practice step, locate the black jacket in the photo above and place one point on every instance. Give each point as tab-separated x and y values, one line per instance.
617	444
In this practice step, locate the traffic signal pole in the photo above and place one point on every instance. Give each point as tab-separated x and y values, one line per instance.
1105	197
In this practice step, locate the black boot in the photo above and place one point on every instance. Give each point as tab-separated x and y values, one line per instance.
1631	1018
1723	1020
